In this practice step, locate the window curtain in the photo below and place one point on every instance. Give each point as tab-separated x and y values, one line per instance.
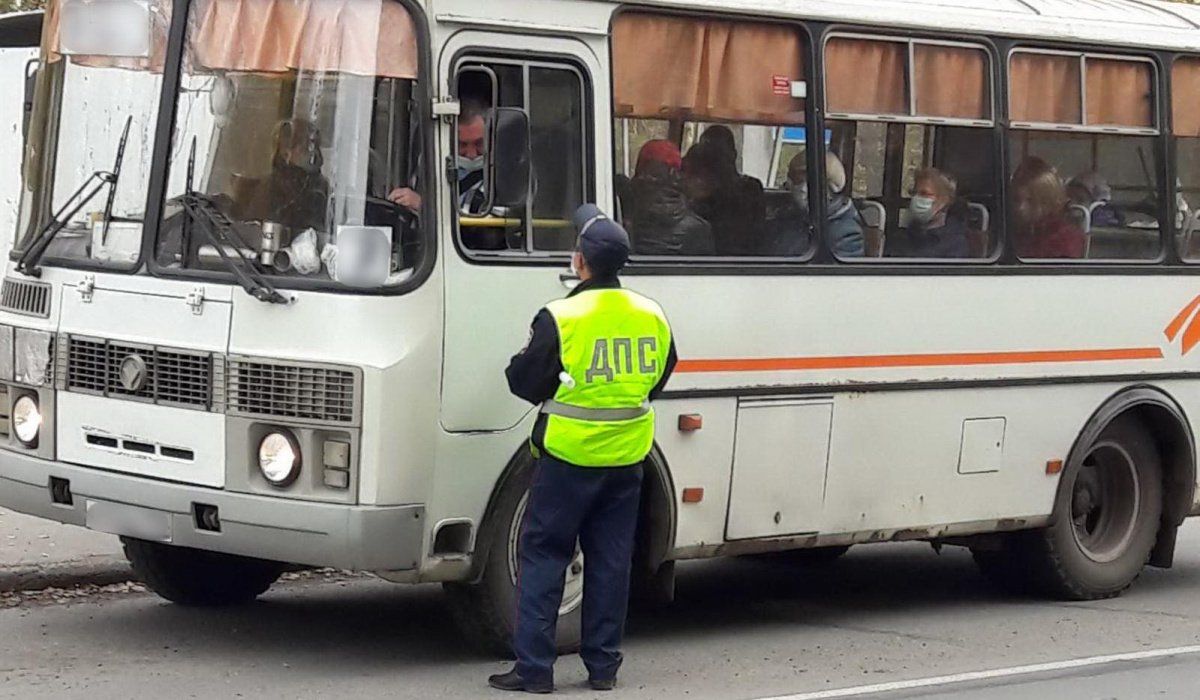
866	77
1120	93
953	82
160	21
1185	91
667	67
1045	88
360	37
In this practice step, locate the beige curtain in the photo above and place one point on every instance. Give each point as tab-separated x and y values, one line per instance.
668	67
952	82
1185	91
361	37
160	14
1120	93
866	77
1045	88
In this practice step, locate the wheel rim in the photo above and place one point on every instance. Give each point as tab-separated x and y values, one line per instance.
1105	500
573	583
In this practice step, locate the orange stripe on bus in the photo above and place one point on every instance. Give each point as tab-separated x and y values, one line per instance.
927	360
1178	321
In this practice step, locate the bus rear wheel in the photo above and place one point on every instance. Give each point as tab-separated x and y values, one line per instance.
486	611
1106	521
197	577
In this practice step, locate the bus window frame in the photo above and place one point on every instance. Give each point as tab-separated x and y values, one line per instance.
532	59
422	100
1003	260
647	264
1168	257
911	43
994	125
1156	82
1175	256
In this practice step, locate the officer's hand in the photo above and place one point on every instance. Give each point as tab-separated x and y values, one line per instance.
406	198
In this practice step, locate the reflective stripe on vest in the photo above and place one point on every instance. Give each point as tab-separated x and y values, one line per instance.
600	415
614	345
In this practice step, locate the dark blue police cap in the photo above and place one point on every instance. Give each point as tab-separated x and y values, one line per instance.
603	242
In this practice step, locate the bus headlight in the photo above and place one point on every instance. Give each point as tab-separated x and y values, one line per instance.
279	458
27	420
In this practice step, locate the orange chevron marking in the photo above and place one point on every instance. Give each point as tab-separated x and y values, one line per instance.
1177	323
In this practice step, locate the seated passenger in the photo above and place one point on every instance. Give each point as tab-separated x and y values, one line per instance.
734	207
656	212
296	192
1091	191
1042	227
937	218
843	226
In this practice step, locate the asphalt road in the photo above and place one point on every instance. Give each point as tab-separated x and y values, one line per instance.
884	617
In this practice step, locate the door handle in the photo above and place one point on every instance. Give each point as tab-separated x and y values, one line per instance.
569	280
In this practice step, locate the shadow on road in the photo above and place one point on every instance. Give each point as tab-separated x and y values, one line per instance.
370	625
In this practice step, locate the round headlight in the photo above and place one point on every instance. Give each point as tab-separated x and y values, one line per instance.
27	420
279	458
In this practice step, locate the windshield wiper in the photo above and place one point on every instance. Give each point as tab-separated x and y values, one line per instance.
219	230
28	262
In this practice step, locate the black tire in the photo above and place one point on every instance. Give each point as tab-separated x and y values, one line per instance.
485	611
1106	519
196	577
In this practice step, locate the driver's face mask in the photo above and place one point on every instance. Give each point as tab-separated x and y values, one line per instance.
469	166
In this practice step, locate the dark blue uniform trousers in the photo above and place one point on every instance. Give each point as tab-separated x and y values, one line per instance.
599	506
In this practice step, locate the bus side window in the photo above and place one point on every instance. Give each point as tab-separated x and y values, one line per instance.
554	98
1185	81
1085	180
709	115
925	189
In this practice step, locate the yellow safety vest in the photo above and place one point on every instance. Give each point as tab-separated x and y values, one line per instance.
614	344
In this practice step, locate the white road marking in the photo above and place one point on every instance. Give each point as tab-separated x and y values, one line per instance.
897	686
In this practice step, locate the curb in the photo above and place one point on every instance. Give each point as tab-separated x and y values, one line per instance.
99	571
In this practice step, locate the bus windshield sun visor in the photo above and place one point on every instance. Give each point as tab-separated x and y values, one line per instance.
27	263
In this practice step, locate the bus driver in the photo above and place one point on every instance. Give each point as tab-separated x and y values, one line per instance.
472	156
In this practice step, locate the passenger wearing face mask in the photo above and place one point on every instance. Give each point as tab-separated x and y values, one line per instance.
843	227
937	219
472	156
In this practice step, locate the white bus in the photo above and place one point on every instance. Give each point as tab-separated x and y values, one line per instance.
222	342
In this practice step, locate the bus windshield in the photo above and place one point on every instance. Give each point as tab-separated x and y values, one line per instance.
92	83
293	124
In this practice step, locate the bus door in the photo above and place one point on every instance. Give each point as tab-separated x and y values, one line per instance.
505	260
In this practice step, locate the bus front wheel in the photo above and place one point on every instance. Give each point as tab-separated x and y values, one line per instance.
1106	520
197	577
486	610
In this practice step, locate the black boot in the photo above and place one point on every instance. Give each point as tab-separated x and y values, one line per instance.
512	681
602	683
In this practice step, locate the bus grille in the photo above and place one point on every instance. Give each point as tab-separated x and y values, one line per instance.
169	376
25	297
299	391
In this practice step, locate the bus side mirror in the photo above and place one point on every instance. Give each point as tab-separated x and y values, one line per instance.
32	69
510	161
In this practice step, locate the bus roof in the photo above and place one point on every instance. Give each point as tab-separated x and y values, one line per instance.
1114	23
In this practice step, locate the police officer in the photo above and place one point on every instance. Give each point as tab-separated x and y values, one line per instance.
594	361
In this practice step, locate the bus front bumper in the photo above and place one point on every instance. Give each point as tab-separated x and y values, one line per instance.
360	538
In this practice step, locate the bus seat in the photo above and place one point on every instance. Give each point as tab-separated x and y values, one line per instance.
873	217
1081	216
980	218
